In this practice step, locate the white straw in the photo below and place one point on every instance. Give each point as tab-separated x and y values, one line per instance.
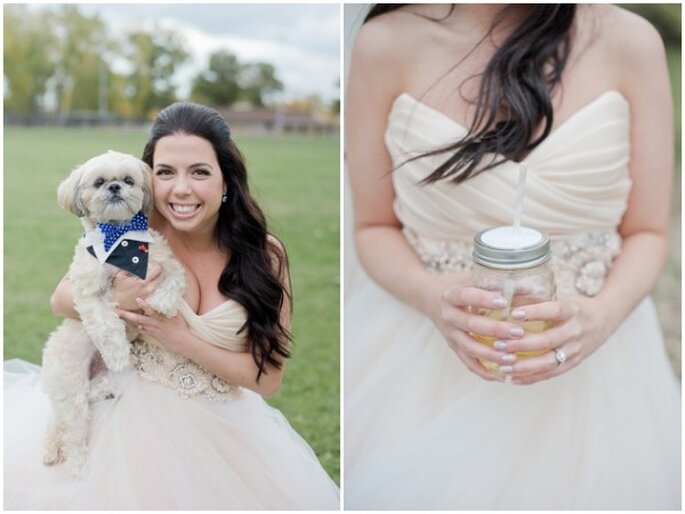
520	192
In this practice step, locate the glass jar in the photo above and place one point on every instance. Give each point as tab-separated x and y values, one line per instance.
513	261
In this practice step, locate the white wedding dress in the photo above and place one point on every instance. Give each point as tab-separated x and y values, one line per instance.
174	438
423	432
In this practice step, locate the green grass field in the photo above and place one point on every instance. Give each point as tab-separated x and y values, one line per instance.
296	181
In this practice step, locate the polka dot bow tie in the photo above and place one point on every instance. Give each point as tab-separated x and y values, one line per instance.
113	232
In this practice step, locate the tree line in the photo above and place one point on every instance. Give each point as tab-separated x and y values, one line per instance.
61	60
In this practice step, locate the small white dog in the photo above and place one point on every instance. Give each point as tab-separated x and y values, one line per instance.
112	195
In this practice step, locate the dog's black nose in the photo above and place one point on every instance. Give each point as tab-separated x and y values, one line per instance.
114	188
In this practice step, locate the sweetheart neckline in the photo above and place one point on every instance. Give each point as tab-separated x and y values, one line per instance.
229	300
608	93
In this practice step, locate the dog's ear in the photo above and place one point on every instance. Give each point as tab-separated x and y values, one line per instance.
148	200
69	193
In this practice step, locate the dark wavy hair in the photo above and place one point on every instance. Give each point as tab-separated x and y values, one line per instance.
519	80
249	277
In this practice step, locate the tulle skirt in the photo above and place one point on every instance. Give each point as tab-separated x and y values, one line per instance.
152	449
422	432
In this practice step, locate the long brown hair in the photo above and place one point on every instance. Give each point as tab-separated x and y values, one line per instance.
519	79
248	277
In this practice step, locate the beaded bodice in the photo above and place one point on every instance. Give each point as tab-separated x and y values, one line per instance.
580	264
220	327
576	190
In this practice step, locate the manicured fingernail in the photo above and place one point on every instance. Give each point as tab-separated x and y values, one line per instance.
509	357
516	332
500	345
499	302
518	314
506	369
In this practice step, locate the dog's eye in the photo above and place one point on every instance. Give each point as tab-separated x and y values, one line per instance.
129	181
99	182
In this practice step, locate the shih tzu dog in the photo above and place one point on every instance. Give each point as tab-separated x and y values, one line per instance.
112	195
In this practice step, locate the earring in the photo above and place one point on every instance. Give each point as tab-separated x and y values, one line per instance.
224	198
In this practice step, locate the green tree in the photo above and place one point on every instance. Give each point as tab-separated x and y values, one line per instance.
28	58
259	81
154	57
219	85
81	45
227	81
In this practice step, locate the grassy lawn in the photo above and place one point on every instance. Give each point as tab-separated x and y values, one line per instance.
296	181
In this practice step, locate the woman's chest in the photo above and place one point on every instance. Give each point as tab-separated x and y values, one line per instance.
202	280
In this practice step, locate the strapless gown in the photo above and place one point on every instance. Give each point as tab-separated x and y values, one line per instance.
423	432
175	437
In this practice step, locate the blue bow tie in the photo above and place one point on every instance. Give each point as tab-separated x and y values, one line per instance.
113	232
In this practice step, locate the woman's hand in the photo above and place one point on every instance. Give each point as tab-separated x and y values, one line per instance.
171	333
451	310
580	327
128	287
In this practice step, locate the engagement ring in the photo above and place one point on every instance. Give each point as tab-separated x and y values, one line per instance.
560	356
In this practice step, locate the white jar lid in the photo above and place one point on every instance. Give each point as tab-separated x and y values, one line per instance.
511	248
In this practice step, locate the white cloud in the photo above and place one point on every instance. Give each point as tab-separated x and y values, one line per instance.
304	71
300	40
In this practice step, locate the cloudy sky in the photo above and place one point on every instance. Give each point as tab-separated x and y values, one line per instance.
301	40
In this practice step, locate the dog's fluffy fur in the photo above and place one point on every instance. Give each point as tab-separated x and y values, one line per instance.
112	188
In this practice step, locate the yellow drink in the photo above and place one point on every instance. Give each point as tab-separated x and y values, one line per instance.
530	327
513	262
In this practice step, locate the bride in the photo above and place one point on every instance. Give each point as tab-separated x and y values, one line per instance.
176	435
443	103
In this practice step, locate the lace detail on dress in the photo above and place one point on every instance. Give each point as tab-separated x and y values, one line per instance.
441	256
580	263
179	373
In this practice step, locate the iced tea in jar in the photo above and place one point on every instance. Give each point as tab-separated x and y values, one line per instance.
513	261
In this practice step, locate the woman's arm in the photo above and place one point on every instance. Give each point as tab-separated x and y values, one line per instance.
375	80
373	84
585	323
127	287
645	224
62	300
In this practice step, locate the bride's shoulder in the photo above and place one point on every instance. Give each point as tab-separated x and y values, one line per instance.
623	36
388	37
388	48
618	46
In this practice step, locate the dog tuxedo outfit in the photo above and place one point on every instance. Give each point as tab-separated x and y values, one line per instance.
125	246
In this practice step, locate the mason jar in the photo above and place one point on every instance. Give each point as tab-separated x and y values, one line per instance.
514	262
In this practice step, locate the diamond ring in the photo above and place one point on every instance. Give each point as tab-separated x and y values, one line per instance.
560	356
